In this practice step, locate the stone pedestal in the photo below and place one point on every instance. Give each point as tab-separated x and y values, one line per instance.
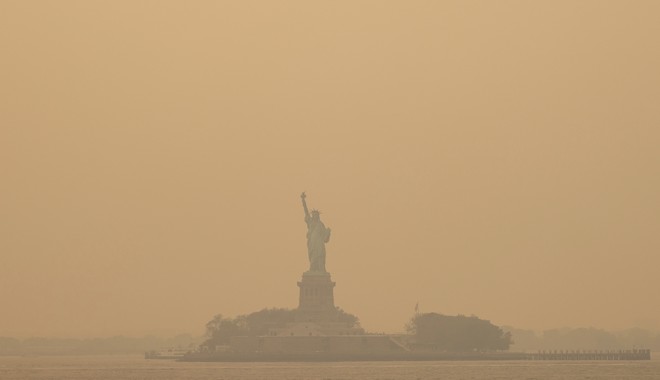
317	300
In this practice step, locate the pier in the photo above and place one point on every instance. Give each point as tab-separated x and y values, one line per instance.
634	354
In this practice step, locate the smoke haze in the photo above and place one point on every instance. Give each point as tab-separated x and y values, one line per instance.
490	158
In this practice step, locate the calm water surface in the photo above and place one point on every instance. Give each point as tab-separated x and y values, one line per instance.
135	367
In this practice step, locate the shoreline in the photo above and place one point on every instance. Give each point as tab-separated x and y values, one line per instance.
416	356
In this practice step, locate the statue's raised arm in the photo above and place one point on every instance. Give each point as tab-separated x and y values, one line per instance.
303	196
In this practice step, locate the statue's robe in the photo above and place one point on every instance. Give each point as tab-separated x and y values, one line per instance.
317	236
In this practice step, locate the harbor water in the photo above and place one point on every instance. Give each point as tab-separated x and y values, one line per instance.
136	367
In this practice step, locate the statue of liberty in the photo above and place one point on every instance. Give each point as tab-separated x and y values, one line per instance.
317	236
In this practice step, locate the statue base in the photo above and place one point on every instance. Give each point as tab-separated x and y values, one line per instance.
317	299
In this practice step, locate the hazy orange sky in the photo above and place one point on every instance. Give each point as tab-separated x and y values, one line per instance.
478	157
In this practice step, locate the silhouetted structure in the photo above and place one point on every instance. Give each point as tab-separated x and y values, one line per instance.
317	236
316	302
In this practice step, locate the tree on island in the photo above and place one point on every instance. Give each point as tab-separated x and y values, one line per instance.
457	333
220	330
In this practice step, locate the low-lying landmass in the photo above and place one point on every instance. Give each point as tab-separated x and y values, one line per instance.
334	335
117	345
282	335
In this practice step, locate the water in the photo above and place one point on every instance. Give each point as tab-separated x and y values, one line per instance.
135	367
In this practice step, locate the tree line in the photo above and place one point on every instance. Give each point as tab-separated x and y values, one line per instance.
438	332
584	339
220	329
430	331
